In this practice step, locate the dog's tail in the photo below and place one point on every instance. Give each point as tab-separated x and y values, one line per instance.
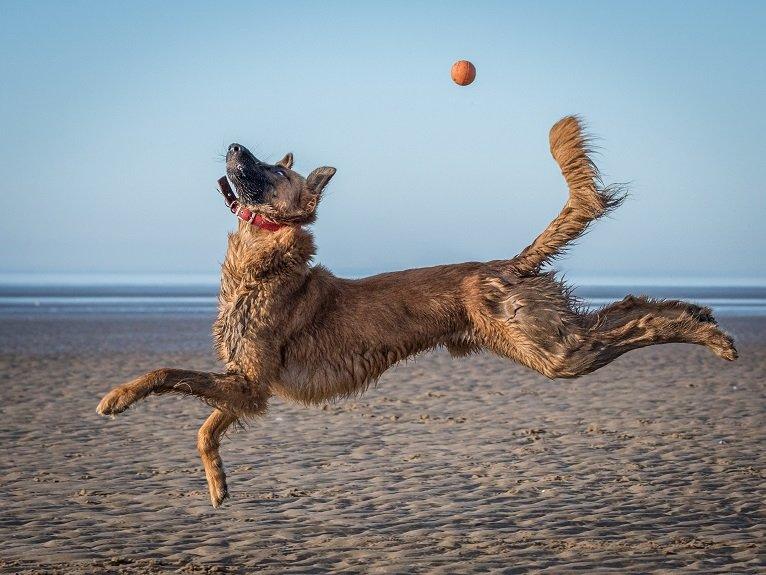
588	200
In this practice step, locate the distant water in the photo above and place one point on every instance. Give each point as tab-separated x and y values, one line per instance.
144	295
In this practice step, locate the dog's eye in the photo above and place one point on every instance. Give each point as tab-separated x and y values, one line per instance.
280	173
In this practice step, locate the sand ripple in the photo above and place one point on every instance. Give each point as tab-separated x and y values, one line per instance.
655	463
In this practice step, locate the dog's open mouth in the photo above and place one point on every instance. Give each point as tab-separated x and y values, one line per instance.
246	213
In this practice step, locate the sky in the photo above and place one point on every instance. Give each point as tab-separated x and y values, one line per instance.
114	120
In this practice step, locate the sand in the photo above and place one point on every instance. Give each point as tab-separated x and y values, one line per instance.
653	464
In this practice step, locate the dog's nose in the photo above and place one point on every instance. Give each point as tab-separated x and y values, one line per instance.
235	148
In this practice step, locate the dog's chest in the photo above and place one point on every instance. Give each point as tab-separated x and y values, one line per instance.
243	320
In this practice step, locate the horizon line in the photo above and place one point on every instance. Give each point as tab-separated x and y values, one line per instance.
209	279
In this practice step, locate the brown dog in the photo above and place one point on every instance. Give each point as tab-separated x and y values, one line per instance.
289	329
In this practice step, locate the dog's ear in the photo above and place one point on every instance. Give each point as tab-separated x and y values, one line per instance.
319	178
286	162
315	183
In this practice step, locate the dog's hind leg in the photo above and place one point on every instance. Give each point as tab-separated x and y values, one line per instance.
230	392
639	322
208	445
647	322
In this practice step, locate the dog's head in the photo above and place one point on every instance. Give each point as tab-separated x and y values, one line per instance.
276	191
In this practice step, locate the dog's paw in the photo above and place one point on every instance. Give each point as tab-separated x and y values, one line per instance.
728	352
723	347
218	495
116	401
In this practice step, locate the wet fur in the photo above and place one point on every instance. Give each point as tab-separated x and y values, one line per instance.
296	331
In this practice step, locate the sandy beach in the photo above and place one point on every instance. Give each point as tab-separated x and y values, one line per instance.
653	464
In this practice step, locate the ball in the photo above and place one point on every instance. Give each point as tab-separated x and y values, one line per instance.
463	72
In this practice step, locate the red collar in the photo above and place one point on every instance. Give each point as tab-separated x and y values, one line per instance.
245	214
254	219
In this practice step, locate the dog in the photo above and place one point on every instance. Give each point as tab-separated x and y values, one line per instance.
289	329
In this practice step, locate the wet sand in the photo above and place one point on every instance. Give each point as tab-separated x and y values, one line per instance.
655	463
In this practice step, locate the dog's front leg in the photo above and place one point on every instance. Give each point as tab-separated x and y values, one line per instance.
208	444
230	392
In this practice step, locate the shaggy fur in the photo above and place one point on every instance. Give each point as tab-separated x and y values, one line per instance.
296	331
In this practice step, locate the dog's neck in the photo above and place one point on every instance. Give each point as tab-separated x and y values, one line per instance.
257	254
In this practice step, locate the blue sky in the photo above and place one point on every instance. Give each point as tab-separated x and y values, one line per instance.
113	120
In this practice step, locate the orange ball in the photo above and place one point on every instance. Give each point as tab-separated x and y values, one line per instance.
463	72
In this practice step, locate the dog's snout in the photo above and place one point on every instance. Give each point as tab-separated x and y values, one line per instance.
239	156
